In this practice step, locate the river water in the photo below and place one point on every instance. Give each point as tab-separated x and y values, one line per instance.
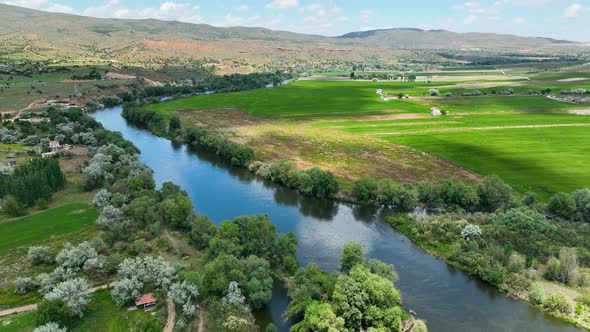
447	298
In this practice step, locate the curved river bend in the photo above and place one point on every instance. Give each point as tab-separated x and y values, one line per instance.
447	298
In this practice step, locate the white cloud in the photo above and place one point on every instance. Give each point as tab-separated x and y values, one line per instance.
366	15
242	8
169	11
470	19
282	4
519	20
575	10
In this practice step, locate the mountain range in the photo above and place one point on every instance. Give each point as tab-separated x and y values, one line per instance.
41	35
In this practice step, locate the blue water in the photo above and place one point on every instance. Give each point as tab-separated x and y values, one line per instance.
447	298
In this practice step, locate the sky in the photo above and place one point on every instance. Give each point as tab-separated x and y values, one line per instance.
561	19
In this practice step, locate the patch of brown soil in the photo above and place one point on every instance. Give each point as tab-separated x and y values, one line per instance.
219	119
580	112
75	162
176	45
573	79
117	76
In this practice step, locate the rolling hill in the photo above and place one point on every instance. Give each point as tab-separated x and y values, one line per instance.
32	34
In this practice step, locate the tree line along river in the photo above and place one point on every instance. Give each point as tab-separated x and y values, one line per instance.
446	297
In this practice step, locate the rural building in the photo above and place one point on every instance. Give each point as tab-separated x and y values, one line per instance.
435	111
12	163
54	145
146	302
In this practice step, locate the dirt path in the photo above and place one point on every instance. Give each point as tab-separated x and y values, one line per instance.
171	316
18	114
201	319
33	307
171	238
25	308
443	130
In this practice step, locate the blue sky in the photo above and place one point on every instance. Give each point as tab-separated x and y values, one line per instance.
564	19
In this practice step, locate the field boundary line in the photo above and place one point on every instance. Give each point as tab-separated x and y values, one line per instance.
446	130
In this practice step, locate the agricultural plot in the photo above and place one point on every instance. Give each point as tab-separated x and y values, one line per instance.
531	141
41	226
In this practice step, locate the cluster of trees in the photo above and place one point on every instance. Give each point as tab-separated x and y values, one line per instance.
36	180
144	117
362	297
512	248
237	154
313	182
573	207
111	163
92	75
488	196
226	83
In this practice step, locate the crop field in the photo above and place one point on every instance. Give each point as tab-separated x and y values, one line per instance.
531	141
41	226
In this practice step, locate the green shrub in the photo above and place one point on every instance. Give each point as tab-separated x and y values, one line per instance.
563	206
365	190
492	274
516	263
557	304
536	294
584	298
553	269
42	204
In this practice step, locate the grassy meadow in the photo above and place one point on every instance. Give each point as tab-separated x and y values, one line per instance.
531	141
41	226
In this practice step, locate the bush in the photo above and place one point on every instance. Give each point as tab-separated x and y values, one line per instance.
39	255
557	304
492	274
317	183
563	206
470	232
24	285
11	207
516	263
493	194
42	204
365	190
50	327
53	311
568	261
553	269
537	294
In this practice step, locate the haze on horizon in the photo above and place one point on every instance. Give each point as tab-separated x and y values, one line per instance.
560	19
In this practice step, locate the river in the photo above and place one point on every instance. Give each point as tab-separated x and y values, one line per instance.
446	297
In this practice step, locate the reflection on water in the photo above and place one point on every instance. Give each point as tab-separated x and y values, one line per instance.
447	298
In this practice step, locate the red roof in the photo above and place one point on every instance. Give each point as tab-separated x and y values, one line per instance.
145	299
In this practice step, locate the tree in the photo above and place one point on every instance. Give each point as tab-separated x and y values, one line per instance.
309	284
563	206
234	296
73	258
12	207
470	232
258	283
174	123
582	198
220	272
184	295
202	231
24	285
568	261
553	268
50	327
317	183
53	311
352	255
365	190
493	194
320	317
75	293
126	290
523	219
102	199
39	255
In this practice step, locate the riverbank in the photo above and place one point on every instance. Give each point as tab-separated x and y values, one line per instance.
450	302
518	279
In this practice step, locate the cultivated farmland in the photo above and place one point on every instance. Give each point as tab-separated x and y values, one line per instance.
524	137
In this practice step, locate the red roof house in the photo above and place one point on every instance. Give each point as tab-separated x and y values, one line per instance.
146	302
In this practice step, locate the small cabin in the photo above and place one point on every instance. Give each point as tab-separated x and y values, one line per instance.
146	302
54	145
435	111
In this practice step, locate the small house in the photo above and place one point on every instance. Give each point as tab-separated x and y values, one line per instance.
146	302
435	111
54	145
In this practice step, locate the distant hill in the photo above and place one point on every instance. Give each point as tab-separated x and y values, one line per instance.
27	33
441	39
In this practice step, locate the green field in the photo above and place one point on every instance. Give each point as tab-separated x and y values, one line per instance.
42	226
530	141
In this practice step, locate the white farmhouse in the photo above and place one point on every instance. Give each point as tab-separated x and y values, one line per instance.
435	111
